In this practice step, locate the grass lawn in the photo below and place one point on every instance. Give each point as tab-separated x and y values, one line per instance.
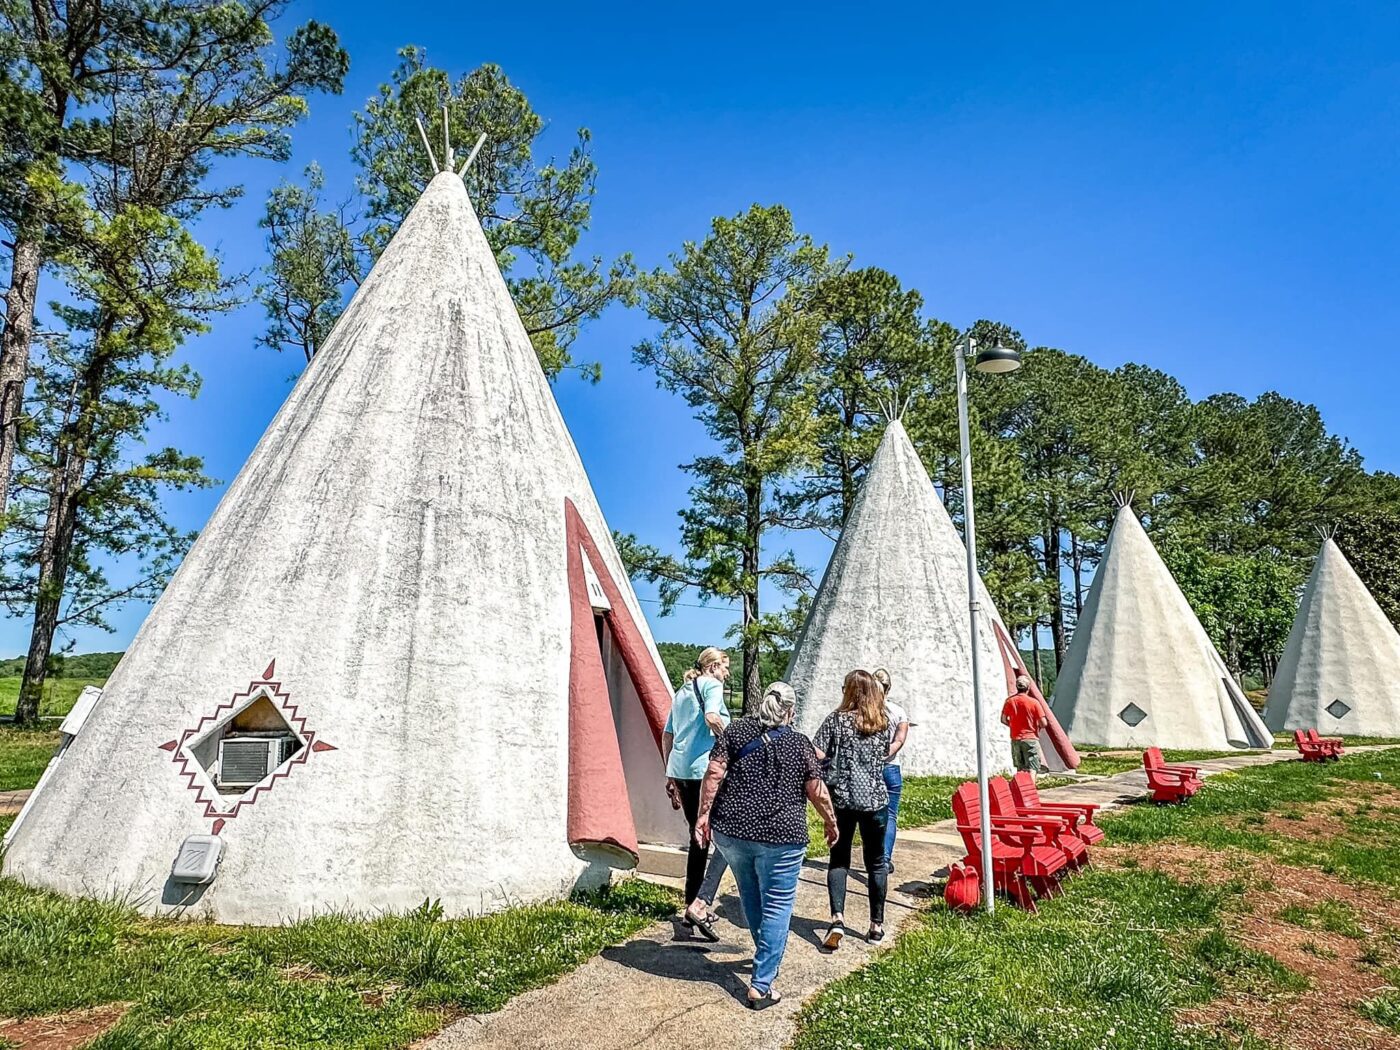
331	982
1107	765
59	694
1131	955
23	755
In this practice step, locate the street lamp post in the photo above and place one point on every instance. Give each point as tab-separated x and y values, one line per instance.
996	359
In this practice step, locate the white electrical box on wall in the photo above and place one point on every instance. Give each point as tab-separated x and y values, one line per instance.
198	860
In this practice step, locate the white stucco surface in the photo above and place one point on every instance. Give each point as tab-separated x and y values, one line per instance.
396	543
895	595
1139	643
1342	648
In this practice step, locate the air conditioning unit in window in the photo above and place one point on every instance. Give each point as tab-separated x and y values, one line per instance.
245	760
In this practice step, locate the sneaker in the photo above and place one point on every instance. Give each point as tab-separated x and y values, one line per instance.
833	937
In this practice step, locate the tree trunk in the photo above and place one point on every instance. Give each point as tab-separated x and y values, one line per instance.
54	552
1076	555
1057	605
1035	650
753	526
15	341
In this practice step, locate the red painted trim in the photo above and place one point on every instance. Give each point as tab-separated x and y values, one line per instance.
1053	735
598	809
289	711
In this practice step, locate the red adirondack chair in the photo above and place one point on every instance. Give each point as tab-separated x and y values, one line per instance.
1027	796
1057	829
1331	744
1311	750
1019	864
1169	783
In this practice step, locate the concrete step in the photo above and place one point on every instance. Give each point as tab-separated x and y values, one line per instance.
665	861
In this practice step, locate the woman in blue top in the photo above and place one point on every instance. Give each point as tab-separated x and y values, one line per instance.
698	717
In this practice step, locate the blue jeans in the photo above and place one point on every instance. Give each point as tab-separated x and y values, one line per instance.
894	784
767	877
709	889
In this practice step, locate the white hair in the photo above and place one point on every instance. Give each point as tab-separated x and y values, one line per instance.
777	706
1022	682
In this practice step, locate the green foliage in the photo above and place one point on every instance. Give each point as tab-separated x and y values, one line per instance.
312	257
1334	916
677	657
1370	538
533	211
95	666
1106	965
1245	602
333	981
739	342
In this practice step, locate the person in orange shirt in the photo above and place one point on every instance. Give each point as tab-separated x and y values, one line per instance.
1023	715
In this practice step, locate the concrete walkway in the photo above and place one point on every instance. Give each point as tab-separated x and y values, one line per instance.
11	802
654	991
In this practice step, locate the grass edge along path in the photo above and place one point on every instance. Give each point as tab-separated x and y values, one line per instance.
1110	963
331	981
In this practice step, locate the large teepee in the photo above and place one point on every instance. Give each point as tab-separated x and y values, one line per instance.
1341	657
402	661
1141	670
895	595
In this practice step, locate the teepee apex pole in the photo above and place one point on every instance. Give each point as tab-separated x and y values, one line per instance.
480	141
424	136
446	141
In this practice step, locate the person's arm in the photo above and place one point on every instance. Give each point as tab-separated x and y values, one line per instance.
709	787
1006	713
821	799
901	734
820	741
668	741
713	696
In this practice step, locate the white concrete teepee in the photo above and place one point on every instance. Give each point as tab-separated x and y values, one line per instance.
402	661
895	595
1340	658
1141	670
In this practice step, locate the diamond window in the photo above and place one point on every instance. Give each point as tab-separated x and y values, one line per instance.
1337	709
1132	714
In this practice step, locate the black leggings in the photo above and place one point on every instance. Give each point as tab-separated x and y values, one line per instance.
872	843
698	856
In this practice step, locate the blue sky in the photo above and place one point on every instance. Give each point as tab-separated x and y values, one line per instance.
1209	189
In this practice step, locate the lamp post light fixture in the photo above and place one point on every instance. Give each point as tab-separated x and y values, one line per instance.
994	359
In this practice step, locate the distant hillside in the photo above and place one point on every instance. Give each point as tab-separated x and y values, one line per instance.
82	665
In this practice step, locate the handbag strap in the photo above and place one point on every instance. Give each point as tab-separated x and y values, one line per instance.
758	741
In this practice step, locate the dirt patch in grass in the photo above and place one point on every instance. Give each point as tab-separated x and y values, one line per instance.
1343	970
1323	821
62	1031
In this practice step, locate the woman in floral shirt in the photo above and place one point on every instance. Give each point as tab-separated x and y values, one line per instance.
854	742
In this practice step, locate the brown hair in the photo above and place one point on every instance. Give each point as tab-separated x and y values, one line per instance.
862	696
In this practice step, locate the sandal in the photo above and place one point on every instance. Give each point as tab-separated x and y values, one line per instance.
875	934
764	1001
833	937
705	925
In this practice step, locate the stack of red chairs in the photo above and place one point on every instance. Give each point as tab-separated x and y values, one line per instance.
1331	744
1027	797
1169	783
1056	829
1025	860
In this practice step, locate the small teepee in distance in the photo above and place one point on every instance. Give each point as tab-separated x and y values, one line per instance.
895	595
402	661
1141	670
1341	655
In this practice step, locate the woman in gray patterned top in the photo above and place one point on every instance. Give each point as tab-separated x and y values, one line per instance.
854	742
